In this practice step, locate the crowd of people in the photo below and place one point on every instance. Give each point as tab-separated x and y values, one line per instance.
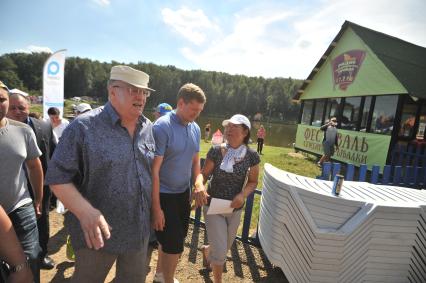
125	181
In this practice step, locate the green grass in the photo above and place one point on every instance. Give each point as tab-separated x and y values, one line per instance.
278	157
68	110
37	108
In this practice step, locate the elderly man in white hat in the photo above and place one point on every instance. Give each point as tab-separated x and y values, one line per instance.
101	172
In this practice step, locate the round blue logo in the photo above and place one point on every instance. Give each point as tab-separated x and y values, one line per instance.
53	68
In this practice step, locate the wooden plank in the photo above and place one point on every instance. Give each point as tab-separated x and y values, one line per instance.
417	156
386	174
362	172
416	175
408	175
394	155
350	170
336	169
247	218
326	170
396	175
197	219
375	174
401	151
411	153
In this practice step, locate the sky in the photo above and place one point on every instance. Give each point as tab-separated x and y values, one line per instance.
269	38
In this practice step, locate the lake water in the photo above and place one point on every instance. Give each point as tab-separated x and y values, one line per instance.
277	134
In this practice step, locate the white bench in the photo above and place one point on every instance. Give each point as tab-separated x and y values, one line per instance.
369	233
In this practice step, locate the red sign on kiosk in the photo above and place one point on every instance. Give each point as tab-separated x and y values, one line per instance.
346	66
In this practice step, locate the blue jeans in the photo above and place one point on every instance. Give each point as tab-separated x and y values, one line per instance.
25	224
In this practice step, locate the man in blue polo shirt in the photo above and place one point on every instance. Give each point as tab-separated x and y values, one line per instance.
177	142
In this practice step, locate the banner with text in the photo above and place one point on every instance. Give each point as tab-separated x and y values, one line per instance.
354	147
53	82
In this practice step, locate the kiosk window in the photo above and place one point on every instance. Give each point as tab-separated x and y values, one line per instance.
408	118
333	108
350	115
365	112
319	111
422	124
384	114
307	112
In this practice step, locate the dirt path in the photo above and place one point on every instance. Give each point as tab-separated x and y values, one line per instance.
245	263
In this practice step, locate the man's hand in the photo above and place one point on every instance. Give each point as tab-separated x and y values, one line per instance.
95	228
37	208
158	221
238	201
200	195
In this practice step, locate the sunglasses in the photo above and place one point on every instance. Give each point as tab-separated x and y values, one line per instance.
135	91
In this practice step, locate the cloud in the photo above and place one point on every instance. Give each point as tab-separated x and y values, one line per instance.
102	3
281	40
257	45
35	49
191	24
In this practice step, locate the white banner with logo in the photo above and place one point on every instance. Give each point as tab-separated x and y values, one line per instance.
53	82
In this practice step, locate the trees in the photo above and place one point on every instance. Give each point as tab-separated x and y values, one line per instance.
8	72
226	94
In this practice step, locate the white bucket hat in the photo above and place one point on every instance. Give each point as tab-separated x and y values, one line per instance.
18	91
237	119
83	107
131	76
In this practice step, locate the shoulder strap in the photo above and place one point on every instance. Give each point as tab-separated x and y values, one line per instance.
223	149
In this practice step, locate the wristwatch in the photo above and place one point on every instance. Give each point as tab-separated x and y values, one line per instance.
19	267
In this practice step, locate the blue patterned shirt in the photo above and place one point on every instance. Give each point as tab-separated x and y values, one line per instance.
112	171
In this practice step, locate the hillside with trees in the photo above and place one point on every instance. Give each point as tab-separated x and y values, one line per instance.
226	94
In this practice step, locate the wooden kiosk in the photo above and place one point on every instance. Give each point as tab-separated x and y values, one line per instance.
375	85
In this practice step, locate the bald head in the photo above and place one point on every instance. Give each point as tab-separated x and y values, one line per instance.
19	108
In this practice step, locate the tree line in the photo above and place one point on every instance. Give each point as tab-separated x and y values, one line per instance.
226	94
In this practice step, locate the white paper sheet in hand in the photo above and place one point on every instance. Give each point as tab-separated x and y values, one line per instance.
220	206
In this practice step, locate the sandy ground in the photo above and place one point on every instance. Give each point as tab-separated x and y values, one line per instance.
245	263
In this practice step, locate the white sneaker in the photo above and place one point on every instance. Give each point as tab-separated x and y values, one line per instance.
159	278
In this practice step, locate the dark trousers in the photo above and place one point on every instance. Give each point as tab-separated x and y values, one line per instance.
25	225
259	145
43	221
176	209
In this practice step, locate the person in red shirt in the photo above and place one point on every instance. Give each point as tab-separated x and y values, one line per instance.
261	133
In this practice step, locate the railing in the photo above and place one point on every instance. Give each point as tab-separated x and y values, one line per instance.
413	154
245	234
407	176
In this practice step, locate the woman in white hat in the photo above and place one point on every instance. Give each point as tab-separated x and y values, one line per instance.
234	170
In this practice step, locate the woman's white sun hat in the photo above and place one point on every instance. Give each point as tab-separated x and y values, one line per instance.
237	119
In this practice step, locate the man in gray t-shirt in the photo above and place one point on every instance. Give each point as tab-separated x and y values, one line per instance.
18	147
